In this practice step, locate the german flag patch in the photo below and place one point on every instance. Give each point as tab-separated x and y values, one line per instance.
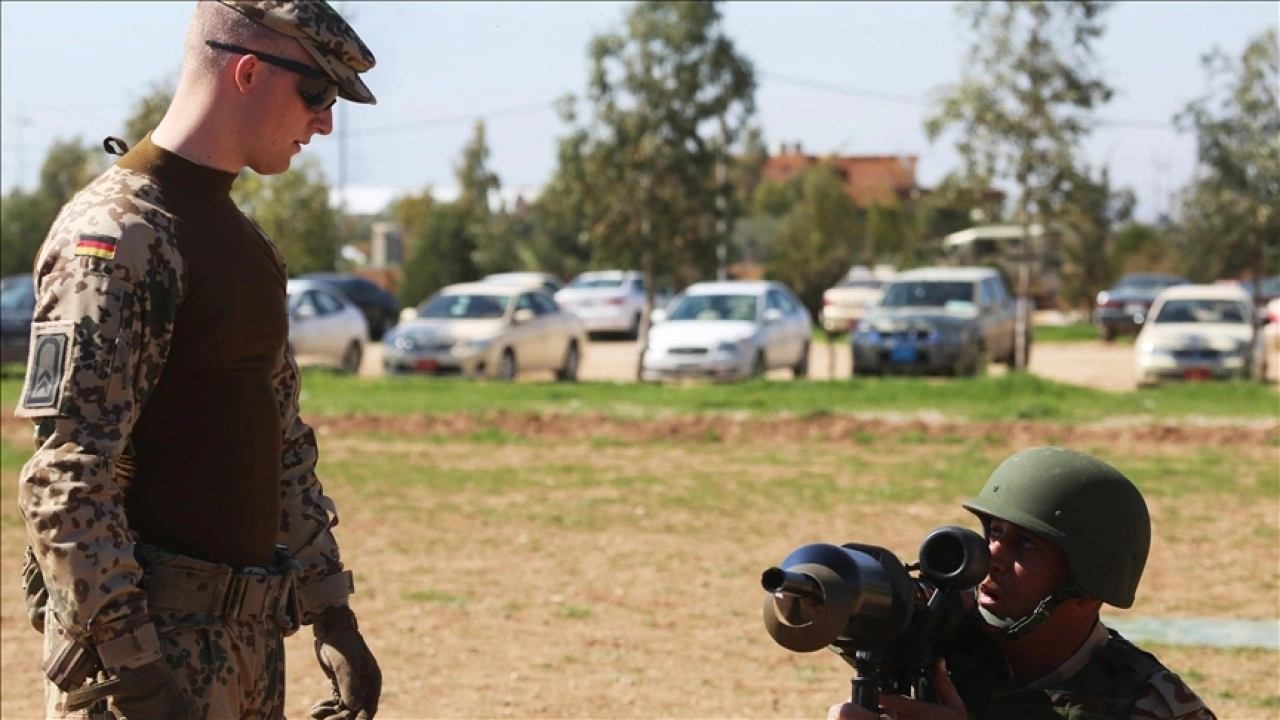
99	246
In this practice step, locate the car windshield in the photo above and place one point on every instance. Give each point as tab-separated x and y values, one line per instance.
465	306
590	283
860	283
928	294
716	307
1146	284
17	295
1202	311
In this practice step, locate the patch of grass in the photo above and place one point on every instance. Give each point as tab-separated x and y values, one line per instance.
574	612
1077	332
1011	396
435	597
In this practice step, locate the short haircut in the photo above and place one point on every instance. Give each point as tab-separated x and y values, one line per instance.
214	21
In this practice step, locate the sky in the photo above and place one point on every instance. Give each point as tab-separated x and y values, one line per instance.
852	78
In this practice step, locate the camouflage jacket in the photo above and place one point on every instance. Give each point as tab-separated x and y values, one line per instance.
111	279
1108	677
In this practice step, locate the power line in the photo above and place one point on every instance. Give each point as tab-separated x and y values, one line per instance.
457	119
921	102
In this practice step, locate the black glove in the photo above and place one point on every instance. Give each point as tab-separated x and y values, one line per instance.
349	665
144	693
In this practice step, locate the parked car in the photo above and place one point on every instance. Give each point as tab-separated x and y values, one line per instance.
1270	332
548	283
844	304
1122	308
1196	332
727	331
607	300
325	327
1269	290
487	329
17	305
380	308
939	320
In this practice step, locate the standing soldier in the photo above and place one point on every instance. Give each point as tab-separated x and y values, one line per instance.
178	531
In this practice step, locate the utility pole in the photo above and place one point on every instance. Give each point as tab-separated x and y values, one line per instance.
19	149
722	221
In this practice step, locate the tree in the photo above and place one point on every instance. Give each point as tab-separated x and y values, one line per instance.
560	218
1231	211
149	110
1092	210
819	241
442	255
25	217
293	209
494	247
1025	99
671	98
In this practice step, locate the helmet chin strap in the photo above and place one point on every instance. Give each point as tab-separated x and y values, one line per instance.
1012	629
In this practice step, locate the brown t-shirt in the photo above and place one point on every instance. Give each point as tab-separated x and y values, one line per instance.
207	444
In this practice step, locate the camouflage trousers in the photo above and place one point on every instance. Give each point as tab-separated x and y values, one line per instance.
231	669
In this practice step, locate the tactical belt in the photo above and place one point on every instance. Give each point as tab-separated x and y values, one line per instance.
177	583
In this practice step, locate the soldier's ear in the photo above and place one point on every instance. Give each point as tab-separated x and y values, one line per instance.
246	71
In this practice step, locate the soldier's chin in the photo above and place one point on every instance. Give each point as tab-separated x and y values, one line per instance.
273	166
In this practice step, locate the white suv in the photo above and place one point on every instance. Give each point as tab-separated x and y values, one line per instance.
607	300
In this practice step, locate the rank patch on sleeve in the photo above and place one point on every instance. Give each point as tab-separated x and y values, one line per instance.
102	246
47	366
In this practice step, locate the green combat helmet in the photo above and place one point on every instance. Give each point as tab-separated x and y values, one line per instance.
1084	506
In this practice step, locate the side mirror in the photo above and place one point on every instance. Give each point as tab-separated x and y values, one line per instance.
657	316
408	314
772	315
522	316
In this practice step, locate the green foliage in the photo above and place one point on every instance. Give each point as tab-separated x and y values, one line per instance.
1023	104
1232	210
293	210
24	221
671	99
820	237
442	254
25	217
149	110
1092	210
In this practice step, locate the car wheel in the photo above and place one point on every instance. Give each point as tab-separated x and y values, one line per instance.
977	364
351	358
758	365
1108	333
507	365
801	368
634	332
569	372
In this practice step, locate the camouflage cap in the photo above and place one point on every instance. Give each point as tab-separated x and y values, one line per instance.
325	35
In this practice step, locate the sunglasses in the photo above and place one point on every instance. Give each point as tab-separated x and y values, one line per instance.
317	89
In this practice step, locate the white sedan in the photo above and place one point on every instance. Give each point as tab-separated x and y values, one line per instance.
608	300
727	331
1196	332
324	326
486	329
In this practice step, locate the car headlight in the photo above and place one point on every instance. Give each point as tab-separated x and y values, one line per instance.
729	347
1148	347
475	344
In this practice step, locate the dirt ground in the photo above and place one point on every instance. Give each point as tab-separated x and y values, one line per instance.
608	602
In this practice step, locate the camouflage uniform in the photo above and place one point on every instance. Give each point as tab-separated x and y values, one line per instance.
163	409
1108	677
